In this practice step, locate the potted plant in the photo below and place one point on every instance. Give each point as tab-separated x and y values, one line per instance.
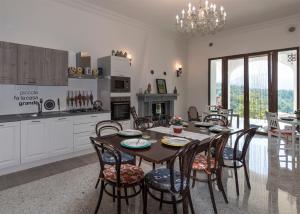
297	113
177	123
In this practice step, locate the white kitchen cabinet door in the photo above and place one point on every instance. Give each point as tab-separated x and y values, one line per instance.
60	135
120	66
82	141
10	144
34	141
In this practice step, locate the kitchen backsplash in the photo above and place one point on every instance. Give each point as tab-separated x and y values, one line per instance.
19	99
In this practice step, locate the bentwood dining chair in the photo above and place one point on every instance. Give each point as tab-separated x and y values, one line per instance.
173	182
107	127
193	114
119	176
212	165
141	123
216	119
236	158
227	113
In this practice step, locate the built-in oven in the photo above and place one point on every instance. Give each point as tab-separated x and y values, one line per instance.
120	108
120	84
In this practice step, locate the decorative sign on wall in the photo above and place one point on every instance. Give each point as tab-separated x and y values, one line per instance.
27	97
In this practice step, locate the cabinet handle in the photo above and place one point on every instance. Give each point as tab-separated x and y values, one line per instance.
94	116
35	121
1	125
62	118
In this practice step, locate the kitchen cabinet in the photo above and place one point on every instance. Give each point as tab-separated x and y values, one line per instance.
8	63
34	141
84	128
55	70
60	135
115	66
30	64
10	144
42	66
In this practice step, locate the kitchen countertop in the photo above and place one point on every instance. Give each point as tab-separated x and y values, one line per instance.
44	115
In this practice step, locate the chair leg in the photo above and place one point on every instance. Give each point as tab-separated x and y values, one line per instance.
153	166
194	179
97	183
212	193
140	162
119	199
190	201
236	180
145	199
100	197
114	194
126	195
220	185
246	174
161	200
174	205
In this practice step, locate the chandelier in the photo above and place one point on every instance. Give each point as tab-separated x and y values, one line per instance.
205	19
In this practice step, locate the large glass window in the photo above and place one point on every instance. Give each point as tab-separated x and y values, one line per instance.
287	81
216	82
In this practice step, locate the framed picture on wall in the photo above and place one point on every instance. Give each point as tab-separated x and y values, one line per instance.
161	86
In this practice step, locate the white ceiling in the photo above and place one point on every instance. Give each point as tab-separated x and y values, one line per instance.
161	13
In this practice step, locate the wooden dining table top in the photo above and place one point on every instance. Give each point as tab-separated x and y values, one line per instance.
158	152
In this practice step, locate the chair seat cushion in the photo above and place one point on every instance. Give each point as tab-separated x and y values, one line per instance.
109	159
284	132
129	174
160	179
200	163
228	153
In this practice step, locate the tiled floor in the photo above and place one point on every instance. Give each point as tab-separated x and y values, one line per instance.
68	187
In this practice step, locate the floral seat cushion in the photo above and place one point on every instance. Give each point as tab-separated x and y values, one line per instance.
109	159
160	179
200	163
129	174
228	153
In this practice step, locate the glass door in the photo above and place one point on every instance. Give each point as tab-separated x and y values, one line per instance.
258	80
236	89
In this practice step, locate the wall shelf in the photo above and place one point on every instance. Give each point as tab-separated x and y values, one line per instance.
83	76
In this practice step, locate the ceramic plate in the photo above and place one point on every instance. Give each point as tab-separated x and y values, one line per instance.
219	129
135	143
130	133
175	141
203	124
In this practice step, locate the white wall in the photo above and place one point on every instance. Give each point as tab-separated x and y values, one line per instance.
261	37
73	26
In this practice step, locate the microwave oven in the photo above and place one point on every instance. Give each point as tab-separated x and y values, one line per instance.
120	84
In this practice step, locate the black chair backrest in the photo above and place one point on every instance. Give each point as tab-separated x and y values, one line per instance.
248	135
218	142
193	113
185	157
113	152
108	127
217	119
133	113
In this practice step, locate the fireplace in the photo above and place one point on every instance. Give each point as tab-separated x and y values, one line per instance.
156	105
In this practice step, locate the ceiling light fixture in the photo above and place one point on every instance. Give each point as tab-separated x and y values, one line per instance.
205	19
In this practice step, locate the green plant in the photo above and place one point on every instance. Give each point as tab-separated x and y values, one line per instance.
297	111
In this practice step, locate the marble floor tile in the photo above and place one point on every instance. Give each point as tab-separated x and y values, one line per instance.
274	176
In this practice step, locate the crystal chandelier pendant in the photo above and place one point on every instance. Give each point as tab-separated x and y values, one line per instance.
205	19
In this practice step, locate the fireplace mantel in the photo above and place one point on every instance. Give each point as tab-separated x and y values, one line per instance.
146	101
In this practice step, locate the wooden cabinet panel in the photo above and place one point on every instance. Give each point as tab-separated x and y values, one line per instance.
55	70
8	63
10	144
30	64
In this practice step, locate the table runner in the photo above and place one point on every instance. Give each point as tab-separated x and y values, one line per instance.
185	134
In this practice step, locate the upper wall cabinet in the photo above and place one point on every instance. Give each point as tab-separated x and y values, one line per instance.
55	67
30	64
42	66
8	63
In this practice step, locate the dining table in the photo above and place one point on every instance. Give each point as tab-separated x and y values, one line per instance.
159	152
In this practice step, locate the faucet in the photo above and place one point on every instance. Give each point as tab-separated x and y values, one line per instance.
40	106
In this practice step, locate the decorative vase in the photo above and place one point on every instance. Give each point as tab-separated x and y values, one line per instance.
177	129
